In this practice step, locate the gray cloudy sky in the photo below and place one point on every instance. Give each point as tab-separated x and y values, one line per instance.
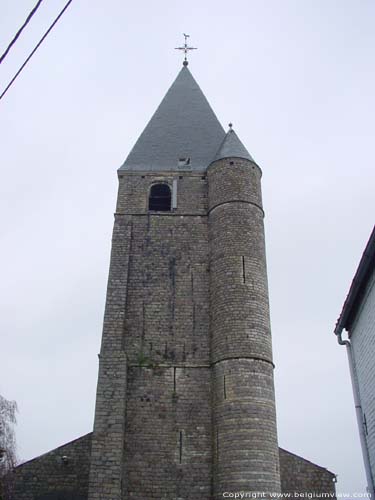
297	79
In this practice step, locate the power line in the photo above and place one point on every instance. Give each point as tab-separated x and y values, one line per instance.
20	31
35	49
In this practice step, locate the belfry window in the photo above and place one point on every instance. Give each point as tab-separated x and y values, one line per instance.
160	198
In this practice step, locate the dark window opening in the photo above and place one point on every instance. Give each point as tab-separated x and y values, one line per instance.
183	162
160	198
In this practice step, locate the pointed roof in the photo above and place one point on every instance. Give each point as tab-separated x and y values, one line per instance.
232	147
183	126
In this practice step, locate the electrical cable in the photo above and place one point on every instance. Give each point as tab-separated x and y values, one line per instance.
20	31
35	49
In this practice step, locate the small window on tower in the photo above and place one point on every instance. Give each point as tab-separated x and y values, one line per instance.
183	162
160	198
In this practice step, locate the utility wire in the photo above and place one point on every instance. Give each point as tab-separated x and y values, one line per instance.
35	49
20	31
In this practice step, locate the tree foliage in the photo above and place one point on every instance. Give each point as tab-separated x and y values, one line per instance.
8	457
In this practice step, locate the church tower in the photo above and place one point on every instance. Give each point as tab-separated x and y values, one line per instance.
185	403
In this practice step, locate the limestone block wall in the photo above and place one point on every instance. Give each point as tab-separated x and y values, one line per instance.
166	339
185	400
301	476
134	189
167	307
156	339
244	418
61	473
109	424
48	478
168	433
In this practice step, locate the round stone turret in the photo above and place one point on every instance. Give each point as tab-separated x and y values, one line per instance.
238	265
244	418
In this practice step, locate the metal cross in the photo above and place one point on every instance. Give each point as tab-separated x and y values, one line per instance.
186	49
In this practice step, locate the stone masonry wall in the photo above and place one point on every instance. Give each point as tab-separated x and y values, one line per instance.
168	419
134	189
301	476
167	310
109	424
243	400
157	315
48	478
168	433
185	401
53	477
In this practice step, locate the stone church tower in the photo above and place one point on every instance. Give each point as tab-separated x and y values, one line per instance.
185	400
185	405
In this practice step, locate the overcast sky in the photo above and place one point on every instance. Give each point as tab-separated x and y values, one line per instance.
296	78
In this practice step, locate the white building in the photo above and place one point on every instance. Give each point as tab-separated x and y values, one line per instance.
358	319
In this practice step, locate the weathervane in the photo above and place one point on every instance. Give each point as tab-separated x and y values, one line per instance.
186	49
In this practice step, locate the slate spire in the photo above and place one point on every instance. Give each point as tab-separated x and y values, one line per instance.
184	126
232	147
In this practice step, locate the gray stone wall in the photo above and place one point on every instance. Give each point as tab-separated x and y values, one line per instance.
244	416
61	474
168	433
157	316
109	423
235	179
172	276
301	476
48	477
185	400
134	189
167	310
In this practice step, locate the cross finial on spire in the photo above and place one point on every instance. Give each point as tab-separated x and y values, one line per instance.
185	48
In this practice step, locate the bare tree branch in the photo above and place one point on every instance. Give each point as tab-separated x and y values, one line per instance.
8	455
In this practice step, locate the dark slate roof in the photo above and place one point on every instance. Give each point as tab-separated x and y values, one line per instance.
232	147
183	126
358	287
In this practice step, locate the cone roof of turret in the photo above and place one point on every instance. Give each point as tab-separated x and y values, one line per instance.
184	127
232	147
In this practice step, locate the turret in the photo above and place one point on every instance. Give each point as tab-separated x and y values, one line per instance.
244	421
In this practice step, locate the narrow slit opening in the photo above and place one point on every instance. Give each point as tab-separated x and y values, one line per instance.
180	447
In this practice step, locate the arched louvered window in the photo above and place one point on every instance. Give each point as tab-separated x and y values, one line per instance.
160	198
